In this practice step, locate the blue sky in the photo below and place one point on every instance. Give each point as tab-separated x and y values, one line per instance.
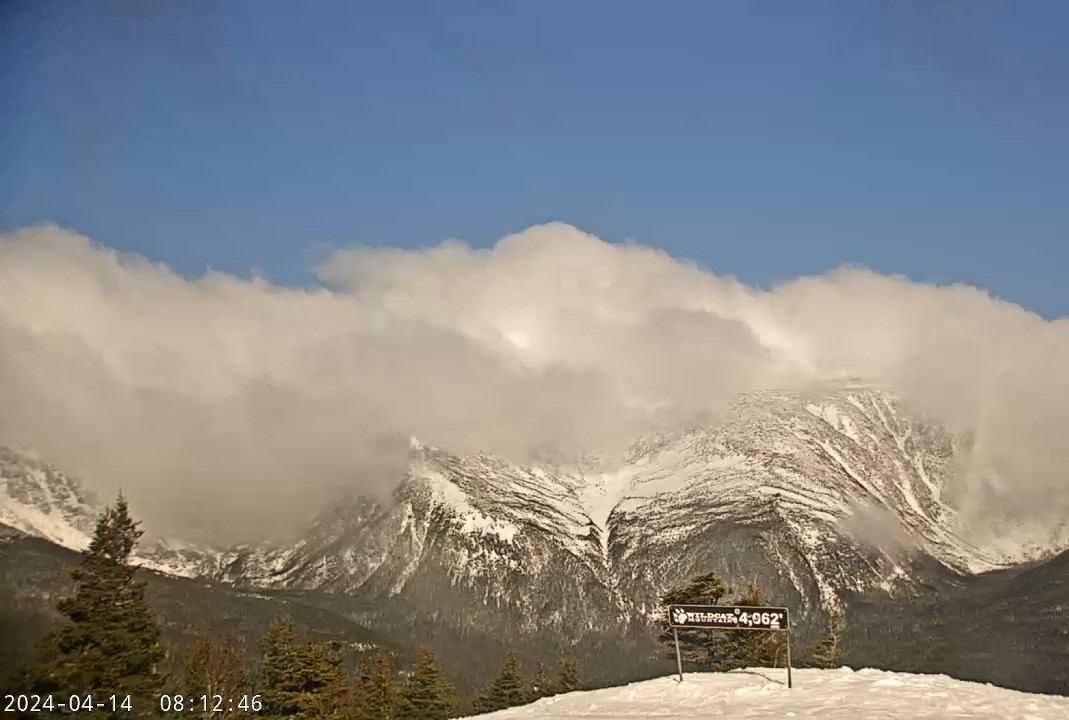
764	140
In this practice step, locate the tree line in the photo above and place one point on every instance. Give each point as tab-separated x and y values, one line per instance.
110	645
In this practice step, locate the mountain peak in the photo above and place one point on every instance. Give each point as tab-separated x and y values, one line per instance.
835	490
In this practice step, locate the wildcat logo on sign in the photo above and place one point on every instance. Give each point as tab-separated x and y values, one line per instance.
728	617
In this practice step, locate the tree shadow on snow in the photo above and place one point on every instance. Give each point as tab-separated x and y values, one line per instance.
778	681
755	673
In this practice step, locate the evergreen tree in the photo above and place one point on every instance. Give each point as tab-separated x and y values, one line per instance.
721	650
427	695
321	681
567	677
825	654
751	648
298	679
540	686
507	690
696	647
111	644
478	705
351	697
706	589
277	683
378	695
214	666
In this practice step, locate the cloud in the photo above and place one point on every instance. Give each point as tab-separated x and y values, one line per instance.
231	408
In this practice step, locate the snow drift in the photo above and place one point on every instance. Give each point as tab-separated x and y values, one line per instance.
827	694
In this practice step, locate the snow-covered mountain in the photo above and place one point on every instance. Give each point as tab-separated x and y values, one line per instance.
820	495
838	491
39	499
827	694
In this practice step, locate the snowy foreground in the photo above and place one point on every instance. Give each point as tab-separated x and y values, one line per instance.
829	694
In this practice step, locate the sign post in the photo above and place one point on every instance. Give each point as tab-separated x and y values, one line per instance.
679	660
789	684
729	617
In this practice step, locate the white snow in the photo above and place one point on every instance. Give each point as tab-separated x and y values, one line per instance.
603	494
445	492
32	521
827	694
830	414
476	522
677	476
1019	542
466	517
59	512
62	519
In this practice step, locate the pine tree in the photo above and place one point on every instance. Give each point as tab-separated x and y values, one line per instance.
825	654
507	690
214	666
321	682
706	589
351	697
751	648
478	705
302	679
721	650
567	677
277	683
358	689
540	686
696	647
379	698
111	644
426	694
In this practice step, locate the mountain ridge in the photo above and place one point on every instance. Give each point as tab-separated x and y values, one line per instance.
832	490
835	500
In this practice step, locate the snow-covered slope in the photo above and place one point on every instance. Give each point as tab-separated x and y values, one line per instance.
826	694
838	491
841	490
833	498
38	499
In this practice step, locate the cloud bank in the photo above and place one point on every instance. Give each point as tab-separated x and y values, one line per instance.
230	408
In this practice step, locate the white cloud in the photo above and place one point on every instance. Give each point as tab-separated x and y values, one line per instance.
233	405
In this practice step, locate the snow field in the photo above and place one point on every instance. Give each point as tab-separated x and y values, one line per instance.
842	694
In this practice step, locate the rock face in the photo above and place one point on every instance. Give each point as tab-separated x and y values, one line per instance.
821	496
